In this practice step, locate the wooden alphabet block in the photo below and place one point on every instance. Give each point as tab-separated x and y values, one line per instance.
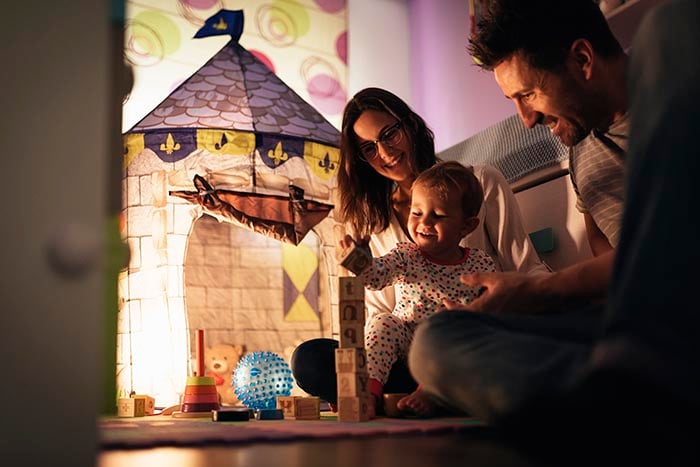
354	409
353	384
350	360
307	408
351	312
149	403
351	288
129	407
356	259
300	408
286	404
352	336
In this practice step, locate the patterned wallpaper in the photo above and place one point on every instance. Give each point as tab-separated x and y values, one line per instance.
302	41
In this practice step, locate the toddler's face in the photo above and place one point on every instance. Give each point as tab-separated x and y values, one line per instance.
437	224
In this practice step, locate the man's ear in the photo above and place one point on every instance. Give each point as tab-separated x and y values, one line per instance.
470	225
582	56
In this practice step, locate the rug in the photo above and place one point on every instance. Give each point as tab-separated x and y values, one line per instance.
160	431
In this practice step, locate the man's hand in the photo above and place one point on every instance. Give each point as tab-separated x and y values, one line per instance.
526	293
504	291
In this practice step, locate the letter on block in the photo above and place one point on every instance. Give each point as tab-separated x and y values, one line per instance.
356	259
351	288
350	360
286	404
352	312
128	407
353	409
352	336
149	403
353	384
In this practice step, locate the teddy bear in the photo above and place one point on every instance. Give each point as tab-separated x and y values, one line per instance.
220	360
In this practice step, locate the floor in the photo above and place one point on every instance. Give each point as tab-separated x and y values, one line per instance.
475	448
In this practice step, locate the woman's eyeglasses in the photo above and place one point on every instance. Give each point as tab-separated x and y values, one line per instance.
390	137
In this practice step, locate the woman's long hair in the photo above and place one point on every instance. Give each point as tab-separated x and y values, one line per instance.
365	195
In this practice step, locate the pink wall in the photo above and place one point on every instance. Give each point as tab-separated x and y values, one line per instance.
456	98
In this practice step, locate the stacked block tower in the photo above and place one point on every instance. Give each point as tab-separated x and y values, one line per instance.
354	398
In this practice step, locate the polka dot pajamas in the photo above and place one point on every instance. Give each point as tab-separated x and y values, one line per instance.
422	287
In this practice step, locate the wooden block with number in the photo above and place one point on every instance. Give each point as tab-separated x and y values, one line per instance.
353	384
354	409
351	312
351	360
307	408
356	259
352	336
351	288
130	407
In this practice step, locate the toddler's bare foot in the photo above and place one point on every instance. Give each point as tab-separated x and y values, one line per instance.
419	403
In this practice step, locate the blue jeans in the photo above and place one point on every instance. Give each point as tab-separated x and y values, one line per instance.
486	365
650	331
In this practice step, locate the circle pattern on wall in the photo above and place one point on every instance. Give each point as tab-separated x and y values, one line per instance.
282	23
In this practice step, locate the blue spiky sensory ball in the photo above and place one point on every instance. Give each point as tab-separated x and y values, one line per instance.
259	378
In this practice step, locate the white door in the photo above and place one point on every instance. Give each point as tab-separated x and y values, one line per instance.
58	116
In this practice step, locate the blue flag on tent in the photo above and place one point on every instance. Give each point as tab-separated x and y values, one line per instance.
224	22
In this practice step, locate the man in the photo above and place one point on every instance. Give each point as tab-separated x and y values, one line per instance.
562	67
633	390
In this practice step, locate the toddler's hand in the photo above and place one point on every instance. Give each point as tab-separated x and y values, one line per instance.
347	241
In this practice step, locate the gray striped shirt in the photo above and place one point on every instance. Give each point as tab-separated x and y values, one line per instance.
596	166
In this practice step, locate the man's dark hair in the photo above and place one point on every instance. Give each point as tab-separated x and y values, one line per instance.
541	31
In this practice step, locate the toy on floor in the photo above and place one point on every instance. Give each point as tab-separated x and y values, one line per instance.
200	396
148	401
130	407
355	403
269	414
220	361
136	405
231	415
260	377
300	408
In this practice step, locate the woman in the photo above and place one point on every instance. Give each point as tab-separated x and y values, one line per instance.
384	146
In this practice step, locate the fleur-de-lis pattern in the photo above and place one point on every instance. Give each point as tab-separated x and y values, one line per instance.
277	155
170	145
235	90
326	164
234	107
